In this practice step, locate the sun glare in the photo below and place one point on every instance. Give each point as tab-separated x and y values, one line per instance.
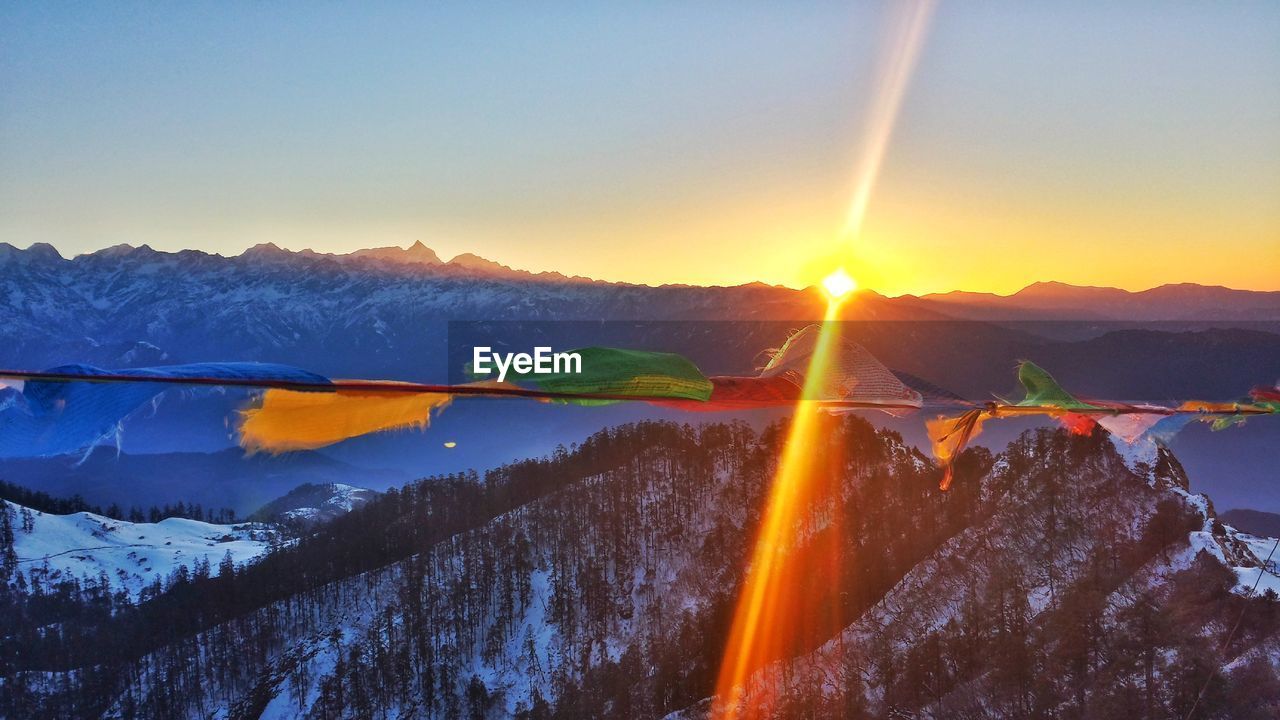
838	284
777	602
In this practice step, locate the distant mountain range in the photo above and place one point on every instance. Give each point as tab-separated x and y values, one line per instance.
1060	301
386	313
352	313
227	478
114	280
1255	522
378	310
419	258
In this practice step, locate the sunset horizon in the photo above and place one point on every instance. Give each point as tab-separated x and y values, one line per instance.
1003	290
710	360
977	149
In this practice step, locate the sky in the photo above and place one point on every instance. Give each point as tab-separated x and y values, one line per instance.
1124	144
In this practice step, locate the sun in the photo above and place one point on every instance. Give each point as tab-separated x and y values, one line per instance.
838	284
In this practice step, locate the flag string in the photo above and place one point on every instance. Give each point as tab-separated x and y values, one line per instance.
70	408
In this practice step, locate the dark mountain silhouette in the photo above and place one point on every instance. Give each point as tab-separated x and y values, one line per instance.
1256	522
1055	300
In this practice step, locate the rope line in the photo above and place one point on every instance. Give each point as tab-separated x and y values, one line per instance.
480	390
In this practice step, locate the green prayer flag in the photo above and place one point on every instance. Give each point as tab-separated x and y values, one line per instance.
630	373
1042	389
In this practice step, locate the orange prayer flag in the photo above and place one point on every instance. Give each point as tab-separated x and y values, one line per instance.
950	435
287	420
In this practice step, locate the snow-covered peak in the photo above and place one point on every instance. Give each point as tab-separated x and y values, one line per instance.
415	254
37	252
266	251
310	504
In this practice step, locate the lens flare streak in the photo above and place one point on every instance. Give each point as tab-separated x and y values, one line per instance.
893	76
772	610
769	607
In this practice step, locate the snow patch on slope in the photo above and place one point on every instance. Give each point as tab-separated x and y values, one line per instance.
51	548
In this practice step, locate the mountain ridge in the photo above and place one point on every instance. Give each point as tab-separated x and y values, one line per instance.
602	591
418	255
1058	300
215	479
311	504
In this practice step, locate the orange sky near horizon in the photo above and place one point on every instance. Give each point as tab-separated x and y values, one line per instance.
1127	145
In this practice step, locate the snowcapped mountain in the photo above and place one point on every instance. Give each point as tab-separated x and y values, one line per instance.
384	310
598	583
378	311
51	549
311	504
415	254
1060	583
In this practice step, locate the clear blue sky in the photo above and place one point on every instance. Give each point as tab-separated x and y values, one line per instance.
655	142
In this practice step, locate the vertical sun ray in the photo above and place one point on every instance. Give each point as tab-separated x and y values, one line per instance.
892	77
782	599
770	608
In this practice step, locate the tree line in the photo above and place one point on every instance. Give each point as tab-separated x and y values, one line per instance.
44	502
